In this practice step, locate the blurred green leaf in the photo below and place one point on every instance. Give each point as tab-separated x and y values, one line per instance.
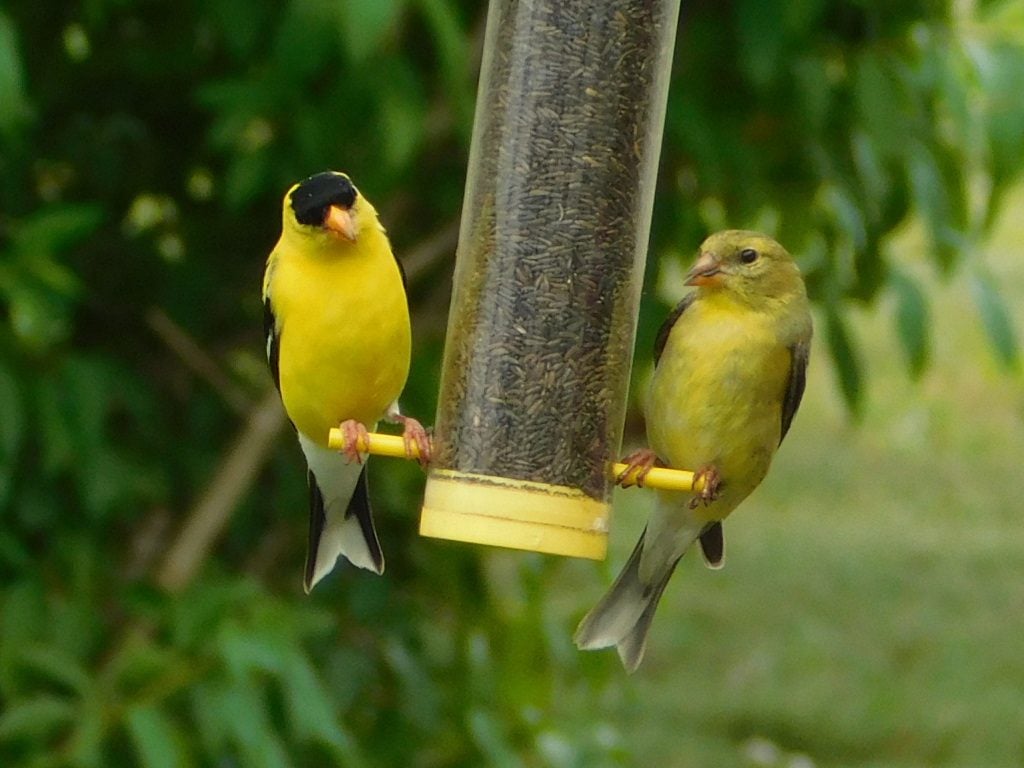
844	355
365	23
491	741
35	717
22	619
454	60
419	694
49	231
760	39
38	287
996	321
12	81
158	742
940	200
255	737
12	426
312	714
883	102
241	23
872	176
403	110
39	320
56	666
912	322
90	730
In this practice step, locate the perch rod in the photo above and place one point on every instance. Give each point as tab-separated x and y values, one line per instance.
392	445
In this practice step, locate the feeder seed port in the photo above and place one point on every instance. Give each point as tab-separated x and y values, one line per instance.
379	444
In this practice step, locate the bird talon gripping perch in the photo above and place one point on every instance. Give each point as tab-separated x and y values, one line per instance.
638	465
710	482
356	437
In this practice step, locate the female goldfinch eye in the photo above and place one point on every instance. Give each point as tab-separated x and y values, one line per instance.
748	255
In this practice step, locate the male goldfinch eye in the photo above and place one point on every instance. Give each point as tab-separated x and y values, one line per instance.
338	344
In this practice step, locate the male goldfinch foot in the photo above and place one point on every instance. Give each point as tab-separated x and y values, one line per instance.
356	434
415	437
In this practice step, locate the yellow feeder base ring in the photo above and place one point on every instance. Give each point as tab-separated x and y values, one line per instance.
480	509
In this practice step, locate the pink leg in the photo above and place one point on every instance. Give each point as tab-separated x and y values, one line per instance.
416	438
639	464
355	433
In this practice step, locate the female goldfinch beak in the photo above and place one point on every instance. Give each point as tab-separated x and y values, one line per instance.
707	270
339	221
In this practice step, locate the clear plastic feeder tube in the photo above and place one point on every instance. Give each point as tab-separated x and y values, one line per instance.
548	272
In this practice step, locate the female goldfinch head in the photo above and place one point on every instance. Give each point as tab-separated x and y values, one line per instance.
327	206
749	265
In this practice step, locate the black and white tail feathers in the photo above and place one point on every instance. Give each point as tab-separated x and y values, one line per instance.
340	519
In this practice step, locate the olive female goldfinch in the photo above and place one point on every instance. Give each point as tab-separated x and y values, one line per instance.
336	319
730	365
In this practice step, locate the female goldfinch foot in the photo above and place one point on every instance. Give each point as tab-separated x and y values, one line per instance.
638	465
712	482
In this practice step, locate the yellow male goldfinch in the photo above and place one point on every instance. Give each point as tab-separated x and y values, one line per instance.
336	319
730	364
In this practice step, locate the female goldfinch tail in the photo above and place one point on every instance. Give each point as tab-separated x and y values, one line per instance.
624	615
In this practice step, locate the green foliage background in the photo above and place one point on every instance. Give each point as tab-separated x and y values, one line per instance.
144	148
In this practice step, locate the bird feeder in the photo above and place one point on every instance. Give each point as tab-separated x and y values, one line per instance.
548	272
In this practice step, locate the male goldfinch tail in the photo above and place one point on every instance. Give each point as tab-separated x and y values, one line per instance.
624	615
340	519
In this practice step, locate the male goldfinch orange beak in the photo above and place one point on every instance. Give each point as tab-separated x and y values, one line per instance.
338	343
339	221
730	371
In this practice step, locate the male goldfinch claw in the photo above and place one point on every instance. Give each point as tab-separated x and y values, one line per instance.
417	440
638	465
356	435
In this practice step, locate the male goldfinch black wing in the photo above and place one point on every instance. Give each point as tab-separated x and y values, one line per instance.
338	343
729	377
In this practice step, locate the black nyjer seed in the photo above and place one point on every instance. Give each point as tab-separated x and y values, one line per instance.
313	196
554	234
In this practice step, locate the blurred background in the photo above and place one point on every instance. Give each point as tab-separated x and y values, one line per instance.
153	500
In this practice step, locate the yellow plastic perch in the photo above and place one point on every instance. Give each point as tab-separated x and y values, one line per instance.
379	444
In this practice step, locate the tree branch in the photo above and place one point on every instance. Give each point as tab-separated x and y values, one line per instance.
212	511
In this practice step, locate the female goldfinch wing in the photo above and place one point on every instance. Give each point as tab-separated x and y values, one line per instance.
338	344
730	365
